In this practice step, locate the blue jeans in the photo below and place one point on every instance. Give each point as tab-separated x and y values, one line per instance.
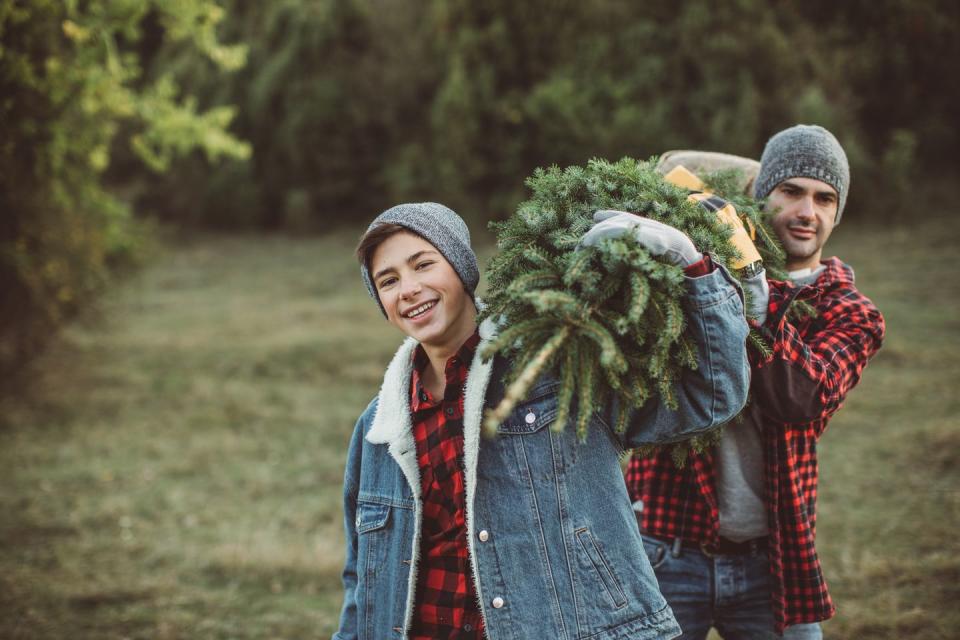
730	593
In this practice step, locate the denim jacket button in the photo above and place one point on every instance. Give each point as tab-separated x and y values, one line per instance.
531	418
484	535
497	602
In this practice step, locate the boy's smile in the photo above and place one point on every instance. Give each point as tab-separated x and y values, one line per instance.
417	313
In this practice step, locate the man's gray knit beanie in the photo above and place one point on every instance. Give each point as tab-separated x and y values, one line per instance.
442	228
804	151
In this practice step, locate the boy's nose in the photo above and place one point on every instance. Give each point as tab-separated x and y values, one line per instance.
410	290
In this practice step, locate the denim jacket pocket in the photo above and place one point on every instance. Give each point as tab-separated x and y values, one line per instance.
371	516
604	571
372	537
533	413
373	572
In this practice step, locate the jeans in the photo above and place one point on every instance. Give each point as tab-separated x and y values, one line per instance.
730	593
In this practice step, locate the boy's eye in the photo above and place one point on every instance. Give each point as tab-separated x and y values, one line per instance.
425	263
386	282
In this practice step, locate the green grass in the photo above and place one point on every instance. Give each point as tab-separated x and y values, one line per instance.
890	498
171	467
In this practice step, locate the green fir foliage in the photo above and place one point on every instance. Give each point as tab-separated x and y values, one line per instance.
607	321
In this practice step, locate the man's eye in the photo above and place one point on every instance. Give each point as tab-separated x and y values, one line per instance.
425	263
386	282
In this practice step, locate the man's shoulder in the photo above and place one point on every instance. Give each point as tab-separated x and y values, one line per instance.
839	295
838	281
836	272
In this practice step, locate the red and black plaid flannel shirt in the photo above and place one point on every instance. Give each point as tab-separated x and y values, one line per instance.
815	363
446	603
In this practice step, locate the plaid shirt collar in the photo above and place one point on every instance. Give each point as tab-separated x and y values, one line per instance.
454	372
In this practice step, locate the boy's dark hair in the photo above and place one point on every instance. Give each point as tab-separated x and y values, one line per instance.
374	237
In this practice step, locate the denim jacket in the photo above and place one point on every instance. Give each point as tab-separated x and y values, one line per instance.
554	545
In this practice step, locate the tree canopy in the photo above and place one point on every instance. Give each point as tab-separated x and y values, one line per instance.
71	89
354	105
345	107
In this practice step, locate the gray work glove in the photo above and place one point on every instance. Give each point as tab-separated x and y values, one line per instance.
758	296
657	238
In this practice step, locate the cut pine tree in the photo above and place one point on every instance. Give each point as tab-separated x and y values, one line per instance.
605	321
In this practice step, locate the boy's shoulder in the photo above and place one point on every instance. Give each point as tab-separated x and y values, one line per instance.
366	418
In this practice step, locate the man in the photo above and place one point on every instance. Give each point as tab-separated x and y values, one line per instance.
529	534
731	535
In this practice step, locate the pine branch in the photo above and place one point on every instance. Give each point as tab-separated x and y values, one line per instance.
510	336
516	391
606	321
568	383
585	395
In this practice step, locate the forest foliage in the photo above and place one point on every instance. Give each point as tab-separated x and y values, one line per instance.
354	105
72	93
303	115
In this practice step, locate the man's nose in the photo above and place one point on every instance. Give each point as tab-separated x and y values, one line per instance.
805	210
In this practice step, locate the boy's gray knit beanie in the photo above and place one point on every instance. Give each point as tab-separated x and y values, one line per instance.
804	151
442	228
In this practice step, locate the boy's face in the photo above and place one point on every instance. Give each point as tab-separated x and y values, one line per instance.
421	293
805	210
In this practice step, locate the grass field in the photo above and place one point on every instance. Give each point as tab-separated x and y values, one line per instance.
172	465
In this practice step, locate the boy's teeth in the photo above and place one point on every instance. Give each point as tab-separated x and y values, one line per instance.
419	309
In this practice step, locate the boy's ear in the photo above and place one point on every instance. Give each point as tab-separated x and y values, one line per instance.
470	295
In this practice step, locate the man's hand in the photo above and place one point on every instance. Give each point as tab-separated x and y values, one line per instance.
758	296
657	238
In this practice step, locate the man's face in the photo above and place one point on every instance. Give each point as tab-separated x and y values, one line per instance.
421	292
804	211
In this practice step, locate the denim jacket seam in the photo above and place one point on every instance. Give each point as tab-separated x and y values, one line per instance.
387	502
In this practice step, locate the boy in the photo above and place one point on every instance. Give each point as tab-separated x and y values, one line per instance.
531	533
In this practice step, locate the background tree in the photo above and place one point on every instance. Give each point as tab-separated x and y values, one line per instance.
70	81
352	105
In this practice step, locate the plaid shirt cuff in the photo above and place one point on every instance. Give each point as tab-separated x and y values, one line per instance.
700	268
